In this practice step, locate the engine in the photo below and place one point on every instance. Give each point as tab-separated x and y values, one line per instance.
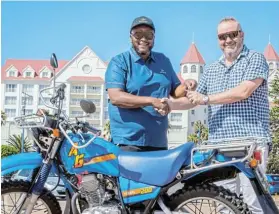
99	192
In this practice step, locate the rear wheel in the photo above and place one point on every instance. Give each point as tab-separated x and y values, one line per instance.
205	199
14	192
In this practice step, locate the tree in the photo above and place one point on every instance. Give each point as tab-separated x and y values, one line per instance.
7	151
15	142
3	118
200	133
273	162
106	131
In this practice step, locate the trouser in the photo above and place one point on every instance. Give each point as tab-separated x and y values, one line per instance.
241	184
130	148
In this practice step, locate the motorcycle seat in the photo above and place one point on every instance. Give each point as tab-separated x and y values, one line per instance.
156	167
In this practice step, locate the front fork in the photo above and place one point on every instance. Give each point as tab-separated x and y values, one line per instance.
261	188
38	187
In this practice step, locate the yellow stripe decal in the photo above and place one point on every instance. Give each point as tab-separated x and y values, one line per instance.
139	191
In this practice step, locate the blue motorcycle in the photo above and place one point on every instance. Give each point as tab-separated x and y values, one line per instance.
100	178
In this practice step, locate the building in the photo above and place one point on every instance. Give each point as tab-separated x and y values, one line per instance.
23	79
182	122
272	59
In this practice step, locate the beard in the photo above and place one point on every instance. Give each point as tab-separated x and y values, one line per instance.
231	51
143	48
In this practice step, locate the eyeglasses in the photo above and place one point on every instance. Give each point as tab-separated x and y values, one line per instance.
149	35
232	35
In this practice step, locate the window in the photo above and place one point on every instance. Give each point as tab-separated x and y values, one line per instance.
96	116
192	124
77	89
10	112
94	89
10	88
28	74
10	100
176	116
193	112
204	122
201	69
185	69
47	100
75	101
176	128
271	66
28	88
86	68
205	110
96	101
193	69
12	73
28	111
27	101
76	113
45	74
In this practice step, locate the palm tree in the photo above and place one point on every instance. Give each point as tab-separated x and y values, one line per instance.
106	131
3	118
15	142
200	133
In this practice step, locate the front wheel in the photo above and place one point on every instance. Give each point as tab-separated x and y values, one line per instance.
205	199
14	192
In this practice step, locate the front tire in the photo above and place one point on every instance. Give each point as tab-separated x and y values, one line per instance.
192	195
13	191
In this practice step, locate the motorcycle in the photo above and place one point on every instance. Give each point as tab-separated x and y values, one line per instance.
100	178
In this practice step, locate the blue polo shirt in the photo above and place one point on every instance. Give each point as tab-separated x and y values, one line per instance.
153	78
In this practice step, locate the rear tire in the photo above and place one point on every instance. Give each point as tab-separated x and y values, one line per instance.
20	186
210	192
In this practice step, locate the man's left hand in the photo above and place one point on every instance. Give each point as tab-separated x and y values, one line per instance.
195	97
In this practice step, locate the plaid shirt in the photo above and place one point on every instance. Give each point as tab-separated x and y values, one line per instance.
246	118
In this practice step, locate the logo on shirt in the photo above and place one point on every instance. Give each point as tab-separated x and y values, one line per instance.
162	71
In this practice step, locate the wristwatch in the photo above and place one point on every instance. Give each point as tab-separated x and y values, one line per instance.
205	99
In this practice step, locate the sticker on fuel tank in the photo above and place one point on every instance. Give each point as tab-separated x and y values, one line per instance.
80	161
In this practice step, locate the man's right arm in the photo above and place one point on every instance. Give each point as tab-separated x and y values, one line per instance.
125	100
115	79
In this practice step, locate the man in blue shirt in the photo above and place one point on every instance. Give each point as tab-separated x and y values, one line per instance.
136	80
236	92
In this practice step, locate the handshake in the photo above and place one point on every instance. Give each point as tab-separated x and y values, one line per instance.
164	105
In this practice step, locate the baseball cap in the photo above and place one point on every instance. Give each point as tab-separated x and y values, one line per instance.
142	20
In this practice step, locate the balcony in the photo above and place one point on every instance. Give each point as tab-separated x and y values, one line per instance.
93	92
77	91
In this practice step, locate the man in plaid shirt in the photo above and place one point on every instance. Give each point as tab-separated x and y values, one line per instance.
236	92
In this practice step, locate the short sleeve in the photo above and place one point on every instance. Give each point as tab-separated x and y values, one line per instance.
257	68
115	76
202	85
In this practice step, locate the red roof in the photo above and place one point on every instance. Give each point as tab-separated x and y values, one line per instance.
192	56
85	79
36	65
270	53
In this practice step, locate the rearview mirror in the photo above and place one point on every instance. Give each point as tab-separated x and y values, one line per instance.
88	106
53	61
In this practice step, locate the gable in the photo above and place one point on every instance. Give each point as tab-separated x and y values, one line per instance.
85	64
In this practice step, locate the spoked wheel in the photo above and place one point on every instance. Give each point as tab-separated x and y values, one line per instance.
207	199
13	194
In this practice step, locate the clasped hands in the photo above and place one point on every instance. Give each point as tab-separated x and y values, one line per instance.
164	105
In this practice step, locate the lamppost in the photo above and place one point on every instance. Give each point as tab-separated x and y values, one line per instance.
23	113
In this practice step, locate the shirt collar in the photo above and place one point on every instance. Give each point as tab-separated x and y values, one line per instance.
243	53
136	57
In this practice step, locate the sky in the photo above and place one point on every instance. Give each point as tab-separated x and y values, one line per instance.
34	30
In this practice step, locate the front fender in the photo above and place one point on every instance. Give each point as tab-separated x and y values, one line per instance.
28	160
